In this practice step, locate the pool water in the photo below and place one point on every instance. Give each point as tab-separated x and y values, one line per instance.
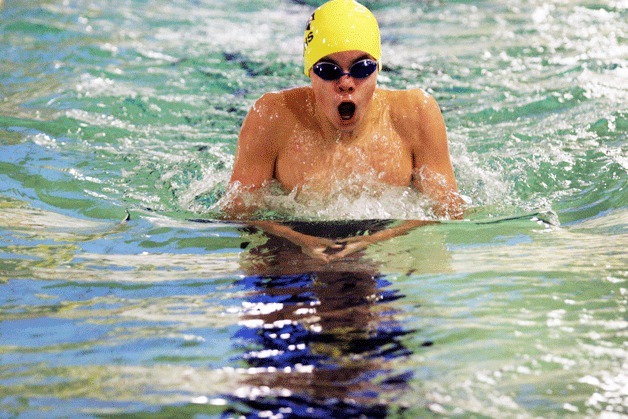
121	295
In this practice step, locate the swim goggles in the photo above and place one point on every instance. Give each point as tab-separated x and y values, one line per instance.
359	70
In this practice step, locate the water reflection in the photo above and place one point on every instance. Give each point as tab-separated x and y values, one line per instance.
318	339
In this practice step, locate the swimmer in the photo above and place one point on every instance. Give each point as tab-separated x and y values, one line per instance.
309	138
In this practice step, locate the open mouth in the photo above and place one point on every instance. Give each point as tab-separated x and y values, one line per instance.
346	110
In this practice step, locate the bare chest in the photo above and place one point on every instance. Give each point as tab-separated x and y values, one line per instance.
308	160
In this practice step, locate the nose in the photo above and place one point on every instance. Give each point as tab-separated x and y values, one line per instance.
346	84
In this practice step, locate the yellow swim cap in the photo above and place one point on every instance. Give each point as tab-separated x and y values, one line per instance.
340	25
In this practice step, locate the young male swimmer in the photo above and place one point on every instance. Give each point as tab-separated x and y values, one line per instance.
309	139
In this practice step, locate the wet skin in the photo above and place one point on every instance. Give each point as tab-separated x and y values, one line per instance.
299	138
305	140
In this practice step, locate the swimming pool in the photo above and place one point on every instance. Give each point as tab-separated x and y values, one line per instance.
136	108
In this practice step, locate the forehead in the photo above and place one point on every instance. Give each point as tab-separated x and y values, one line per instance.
346	58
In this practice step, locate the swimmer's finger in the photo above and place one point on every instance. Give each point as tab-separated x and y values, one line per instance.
349	240
339	255
322	257
316	253
329	243
348	250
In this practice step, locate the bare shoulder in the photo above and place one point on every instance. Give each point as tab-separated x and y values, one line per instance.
414	113
274	109
266	105
282	100
407	105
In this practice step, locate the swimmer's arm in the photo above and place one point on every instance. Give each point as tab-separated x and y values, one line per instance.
314	247
355	244
256	153
433	171
327	250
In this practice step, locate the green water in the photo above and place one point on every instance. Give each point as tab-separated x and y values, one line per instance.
109	108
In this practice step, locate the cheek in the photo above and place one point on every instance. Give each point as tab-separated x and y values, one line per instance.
325	101
323	93
367	88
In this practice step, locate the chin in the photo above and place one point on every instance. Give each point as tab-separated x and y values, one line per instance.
347	126
345	129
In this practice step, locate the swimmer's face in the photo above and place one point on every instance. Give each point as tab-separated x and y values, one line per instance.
344	101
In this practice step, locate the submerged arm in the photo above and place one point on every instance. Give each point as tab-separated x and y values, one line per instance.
355	244
328	250
313	246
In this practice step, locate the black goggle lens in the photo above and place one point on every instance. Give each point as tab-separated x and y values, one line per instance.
360	70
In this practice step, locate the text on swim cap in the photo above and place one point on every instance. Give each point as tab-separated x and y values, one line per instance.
310	35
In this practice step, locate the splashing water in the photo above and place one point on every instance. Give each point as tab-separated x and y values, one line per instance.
350	199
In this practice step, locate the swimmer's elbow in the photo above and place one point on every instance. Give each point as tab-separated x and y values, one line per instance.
236	209
238	202
450	207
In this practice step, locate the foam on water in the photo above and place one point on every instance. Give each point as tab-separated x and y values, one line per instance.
350	202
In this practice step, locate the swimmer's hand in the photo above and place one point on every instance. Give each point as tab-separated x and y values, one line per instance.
327	250
351	245
317	247
355	244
